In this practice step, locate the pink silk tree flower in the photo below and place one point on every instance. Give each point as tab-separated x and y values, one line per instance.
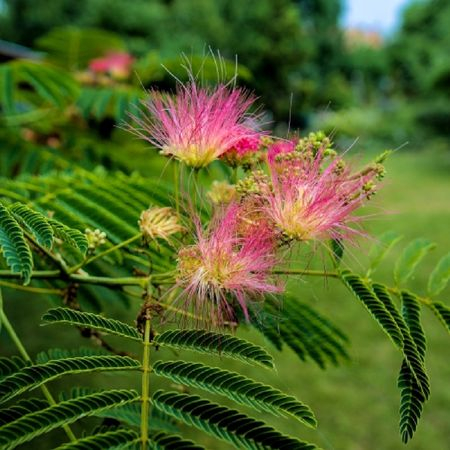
279	147
309	201
197	125
116	64
244	151
224	270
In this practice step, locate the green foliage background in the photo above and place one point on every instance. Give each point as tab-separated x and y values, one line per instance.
385	96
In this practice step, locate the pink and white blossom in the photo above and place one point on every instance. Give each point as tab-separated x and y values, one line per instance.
224	270
197	125
309	201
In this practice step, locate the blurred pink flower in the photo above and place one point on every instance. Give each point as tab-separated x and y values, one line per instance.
279	147
223	269
248	144
116	64
309	201
197	125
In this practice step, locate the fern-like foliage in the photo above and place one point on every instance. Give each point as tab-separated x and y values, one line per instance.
14	246
224	423
22	407
237	387
442	312
117	439
210	342
33	376
164	441
130	414
18	223
375	306
37	423
72	48
112	102
11	365
71	236
412	392
309	334
29	90
63	353
91	320
35	223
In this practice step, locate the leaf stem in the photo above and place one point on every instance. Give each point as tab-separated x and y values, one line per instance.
316	273
163	278
35	290
104	253
145	382
20	347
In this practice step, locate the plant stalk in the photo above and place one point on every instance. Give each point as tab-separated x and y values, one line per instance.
317	273
145	382
106	252
18	343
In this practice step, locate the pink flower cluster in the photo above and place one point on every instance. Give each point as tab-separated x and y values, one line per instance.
197	125
303	192
309	201
225	269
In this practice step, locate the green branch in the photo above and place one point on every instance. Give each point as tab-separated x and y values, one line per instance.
104	253
20	347
316	273
145	382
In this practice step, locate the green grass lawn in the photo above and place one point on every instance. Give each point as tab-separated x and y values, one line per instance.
356	404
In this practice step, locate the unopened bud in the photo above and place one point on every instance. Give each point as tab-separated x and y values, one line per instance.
95	238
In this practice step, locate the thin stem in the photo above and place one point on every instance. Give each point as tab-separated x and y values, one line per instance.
35	290
234	175
18	343
55	258
315	273
106	252
176	183
163	278
145	382
47	274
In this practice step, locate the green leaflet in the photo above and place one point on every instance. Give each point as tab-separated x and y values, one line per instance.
9	365
40	422
304	330
117	439
164	441
224	423
15	248
442	312
62	353
410	258
33	376
412	380
91	320
363	292
237	387
337	251
439	277
22	407
130	414
213	343
35	222
71	236
412	394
